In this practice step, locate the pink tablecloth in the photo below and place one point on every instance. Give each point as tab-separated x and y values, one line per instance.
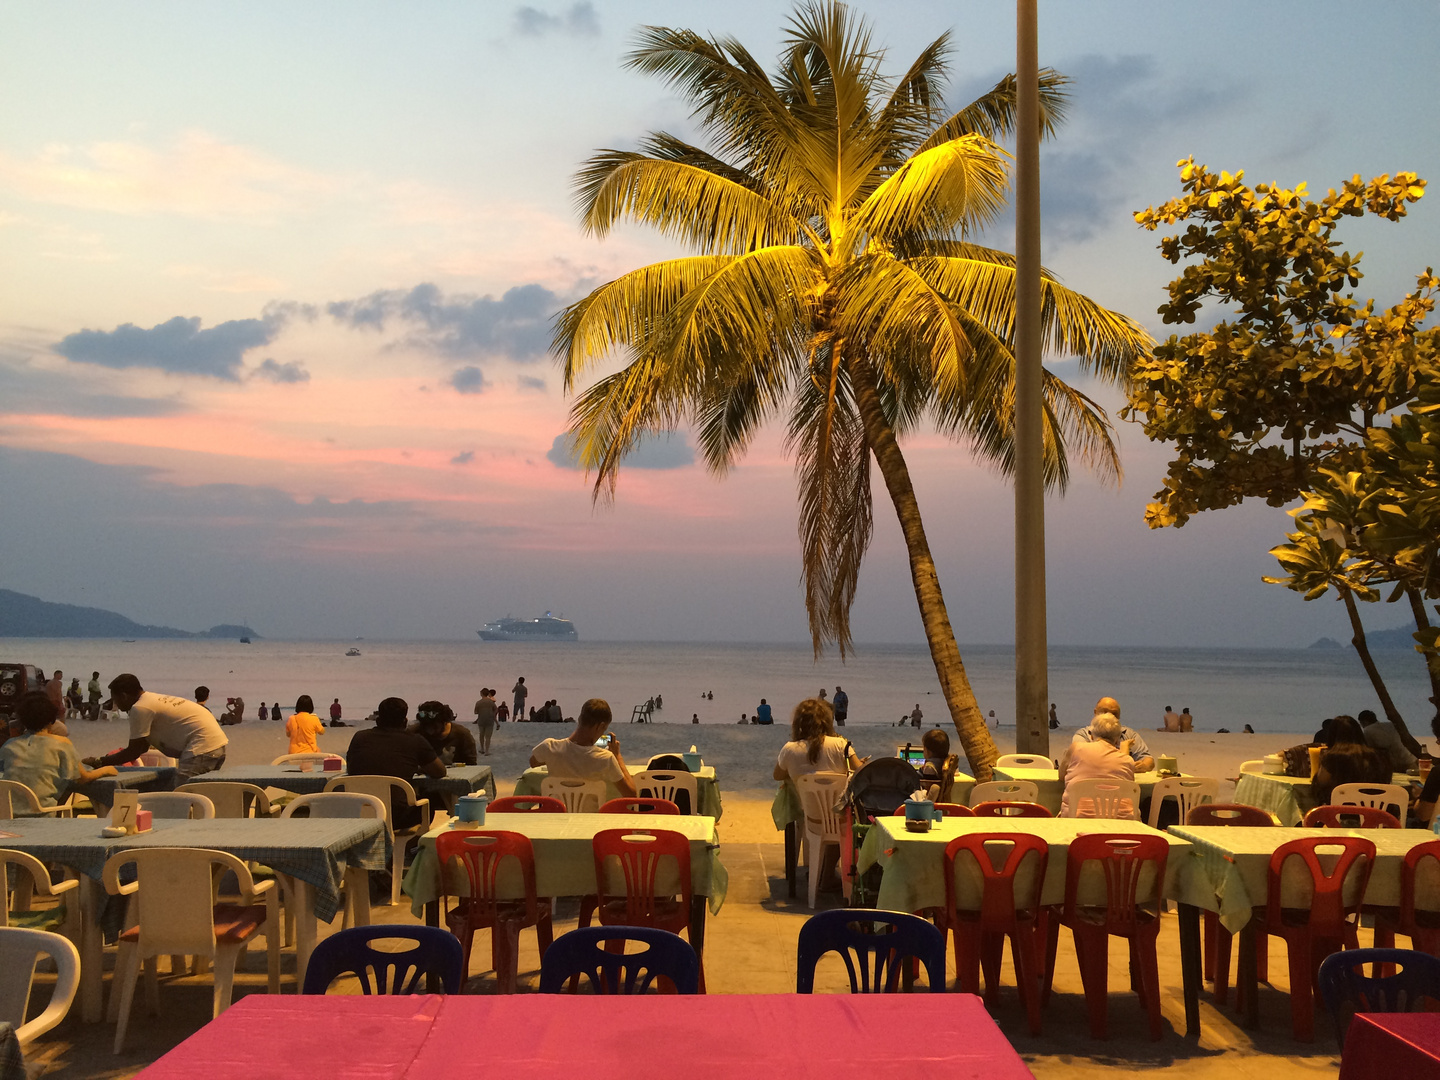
724	1036
1381	1046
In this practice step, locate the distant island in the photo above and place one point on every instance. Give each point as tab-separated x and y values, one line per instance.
29	616
1399	637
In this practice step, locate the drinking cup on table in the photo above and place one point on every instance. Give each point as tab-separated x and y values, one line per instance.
1424	764
1315	752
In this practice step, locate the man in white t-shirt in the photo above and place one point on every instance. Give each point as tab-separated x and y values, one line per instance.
173	725
579	758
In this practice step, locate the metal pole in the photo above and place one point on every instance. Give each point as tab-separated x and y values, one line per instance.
1032	732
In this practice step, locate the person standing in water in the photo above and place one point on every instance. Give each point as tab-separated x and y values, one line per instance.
520	692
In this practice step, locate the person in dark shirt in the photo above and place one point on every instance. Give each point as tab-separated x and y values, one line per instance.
1349	760
436	721
388	749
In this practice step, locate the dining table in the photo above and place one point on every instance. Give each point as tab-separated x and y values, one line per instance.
707	791
1382	1046
101	792
1289	798
458	780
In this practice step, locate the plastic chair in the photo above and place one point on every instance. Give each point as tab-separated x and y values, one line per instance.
1415	987
980	933
1323	922
1419	876
1123	859
1255	766
949	809
17	800
824	822
481	853
1103	798
667	961
1005	808
386	788
309	755
1024	761
177	804
433	952
526	804
336	804
1005	791
678	787
232	800
641	805
1187	791
1218	940
1349	817
174	912
154	759
1230	814
1380	796
579	796
31	880
19	948
880	944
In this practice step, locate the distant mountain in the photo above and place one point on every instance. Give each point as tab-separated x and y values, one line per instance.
29	616
1326	643
1400	637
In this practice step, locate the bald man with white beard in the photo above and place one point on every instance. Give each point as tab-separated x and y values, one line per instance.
1130	740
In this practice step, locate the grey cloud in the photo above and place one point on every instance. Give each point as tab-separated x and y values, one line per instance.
178	346
468	380
273	371
668	451
516	326
529	382
465	457
28	390
579	21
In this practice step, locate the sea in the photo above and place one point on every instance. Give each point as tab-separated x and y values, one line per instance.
1274	690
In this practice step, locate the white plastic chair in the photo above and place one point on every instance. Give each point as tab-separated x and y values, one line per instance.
338	804
1256	765
177	804
231	799
286	759
1102	799
824	821
1380	796
1024	761
17	800
18	950
155	759
174	912
32	880
384	788
579	796
1005	791
1187	791
667	784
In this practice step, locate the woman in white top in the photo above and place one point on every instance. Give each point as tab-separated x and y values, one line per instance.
814	746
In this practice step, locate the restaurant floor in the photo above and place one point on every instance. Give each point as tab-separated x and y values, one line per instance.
750	948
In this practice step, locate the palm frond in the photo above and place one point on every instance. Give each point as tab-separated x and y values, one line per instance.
993	113
961	184
909	114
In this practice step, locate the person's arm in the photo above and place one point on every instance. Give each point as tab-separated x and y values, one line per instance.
854	760
85	775
132	750
625	782
780	773
466	753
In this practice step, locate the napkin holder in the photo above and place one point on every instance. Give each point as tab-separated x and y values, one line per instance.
144	819
920	813
1274	765
332	764
693	761
1167	765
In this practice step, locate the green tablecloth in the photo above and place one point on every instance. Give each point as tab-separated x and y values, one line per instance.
707	791
1052	788
785	807
564	857
1289	798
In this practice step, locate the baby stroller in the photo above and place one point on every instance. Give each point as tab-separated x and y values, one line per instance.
874	791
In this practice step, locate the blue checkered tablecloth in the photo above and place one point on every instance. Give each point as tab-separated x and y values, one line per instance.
130	777
458	780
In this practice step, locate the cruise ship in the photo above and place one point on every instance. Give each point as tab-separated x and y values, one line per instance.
546	628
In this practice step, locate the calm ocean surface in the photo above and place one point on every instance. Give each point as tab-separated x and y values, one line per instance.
1273	689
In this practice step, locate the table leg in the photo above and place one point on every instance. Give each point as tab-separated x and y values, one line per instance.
432	913
1191	973
790	857
1247	983
357	887
307	928
92	950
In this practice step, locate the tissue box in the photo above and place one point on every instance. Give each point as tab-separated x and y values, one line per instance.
143	820
332	764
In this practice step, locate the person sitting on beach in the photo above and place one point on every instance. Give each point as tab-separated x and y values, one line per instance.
388	749
1384	737
176	727
1187	722
1105	755
814	746
1139	752
1172	720
763	713
44	762
1349	760
436	721
579	758
938	771
304	727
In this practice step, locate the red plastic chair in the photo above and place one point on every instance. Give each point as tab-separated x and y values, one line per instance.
1217	939
949	809
527	804
638	852
1122	857
1004	808
640	805
980	935
1322	927
1423	926
1350	817
480	853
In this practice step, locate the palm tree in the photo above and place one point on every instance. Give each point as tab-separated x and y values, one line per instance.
834	282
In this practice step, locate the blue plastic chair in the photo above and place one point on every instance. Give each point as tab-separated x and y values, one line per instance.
883	943
1348	990
582	952
349	952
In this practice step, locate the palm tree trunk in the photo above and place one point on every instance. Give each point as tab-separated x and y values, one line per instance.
959	697
1367	661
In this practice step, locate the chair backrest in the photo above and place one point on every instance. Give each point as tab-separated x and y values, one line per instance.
579	796
391	790
1187	791
1229	814
1103	799
26	866
527	804
337	804
1124	859
481	854
175	890
1414	986
637	854
1380	796
232	800
432	951
309	755
998	899
875	945
1254	765
820	800
1006	808
668	762
1349	817
177	804
678	787
666	957
1325	898
1419	875
640	805
1024	761
949	809
18	951
155	759
17	800
1005	791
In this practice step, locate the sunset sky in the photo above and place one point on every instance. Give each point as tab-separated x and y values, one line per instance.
276	283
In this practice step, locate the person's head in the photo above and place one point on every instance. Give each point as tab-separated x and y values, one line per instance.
304	703
336	701
391	713
762	701
1109	705
202	694
1185	711
1366	717
837	689
35	711
94	674
125	690
520	679
1106	726
1169	708
594	718
1345	730
434	716
936	744
811	721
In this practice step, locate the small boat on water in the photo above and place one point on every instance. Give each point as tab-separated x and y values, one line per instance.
244	641
352	651
545	628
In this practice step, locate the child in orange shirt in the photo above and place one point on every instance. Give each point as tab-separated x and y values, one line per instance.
304	727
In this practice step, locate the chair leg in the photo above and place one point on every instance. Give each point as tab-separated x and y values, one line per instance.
1224	942
1148	963
992	947
397	871
127	970
1025	948
1262	956
152	984
1302	1008
507	937
226	957
1050	919
817	860
1211	923
967	957
544	933
1093	951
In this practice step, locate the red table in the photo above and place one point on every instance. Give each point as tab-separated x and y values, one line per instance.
1380	1046
522	1036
